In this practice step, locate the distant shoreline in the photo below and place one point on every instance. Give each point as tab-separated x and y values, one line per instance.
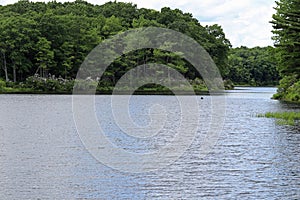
183	93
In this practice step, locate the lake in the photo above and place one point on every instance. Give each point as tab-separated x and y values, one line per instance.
42	156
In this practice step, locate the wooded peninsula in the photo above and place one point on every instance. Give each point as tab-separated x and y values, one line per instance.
42	46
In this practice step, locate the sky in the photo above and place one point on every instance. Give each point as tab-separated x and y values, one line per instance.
245	22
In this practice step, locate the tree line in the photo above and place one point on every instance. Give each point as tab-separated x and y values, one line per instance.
253	66
50	40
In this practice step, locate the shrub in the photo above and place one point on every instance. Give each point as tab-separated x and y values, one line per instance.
2	84
289	89
51	85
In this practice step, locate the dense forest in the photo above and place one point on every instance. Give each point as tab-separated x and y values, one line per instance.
53	38
286	24
42	46
253	66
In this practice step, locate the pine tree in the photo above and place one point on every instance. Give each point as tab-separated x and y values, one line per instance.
286	24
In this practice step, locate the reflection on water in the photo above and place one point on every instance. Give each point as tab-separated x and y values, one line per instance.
42	157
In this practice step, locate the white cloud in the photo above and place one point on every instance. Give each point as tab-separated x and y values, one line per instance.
245	22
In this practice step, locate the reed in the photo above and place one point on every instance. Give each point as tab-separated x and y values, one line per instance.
284	118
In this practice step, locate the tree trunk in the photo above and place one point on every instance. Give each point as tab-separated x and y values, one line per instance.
145	62
5	67
169	76
14	73
41	72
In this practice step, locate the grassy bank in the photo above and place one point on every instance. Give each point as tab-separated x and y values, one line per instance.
284	118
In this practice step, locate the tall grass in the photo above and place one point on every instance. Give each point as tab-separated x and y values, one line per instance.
284	118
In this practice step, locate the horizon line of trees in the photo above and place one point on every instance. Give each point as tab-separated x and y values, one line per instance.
54	38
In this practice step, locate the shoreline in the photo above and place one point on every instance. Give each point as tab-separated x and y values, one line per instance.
183	93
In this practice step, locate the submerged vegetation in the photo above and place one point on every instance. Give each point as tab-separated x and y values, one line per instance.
283	118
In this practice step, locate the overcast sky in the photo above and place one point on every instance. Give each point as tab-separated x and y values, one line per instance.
245	22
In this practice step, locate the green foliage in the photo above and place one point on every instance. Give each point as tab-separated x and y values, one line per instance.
289	89
220	48
48	85
285	83
286	24
54	38
284	118
10	87
253	66
228	84
2	84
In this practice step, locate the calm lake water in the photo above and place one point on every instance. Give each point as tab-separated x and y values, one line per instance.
42	156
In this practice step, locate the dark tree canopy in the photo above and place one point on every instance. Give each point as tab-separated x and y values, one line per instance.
54	38
253	66
286	24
